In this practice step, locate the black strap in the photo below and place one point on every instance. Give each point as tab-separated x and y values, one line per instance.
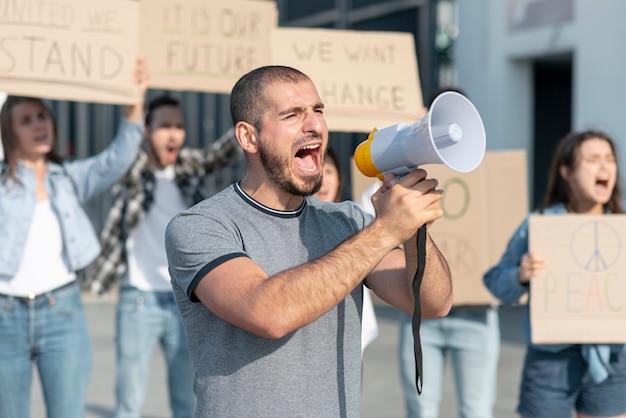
417	313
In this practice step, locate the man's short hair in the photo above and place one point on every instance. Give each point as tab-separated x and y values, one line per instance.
247	99
158	102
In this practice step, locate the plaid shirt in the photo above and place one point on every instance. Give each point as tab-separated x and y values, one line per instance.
133	196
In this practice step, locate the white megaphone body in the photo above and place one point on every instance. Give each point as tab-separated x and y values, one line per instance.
451	133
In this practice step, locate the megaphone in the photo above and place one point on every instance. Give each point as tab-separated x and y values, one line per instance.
451	133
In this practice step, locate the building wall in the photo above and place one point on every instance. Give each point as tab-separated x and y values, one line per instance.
494	65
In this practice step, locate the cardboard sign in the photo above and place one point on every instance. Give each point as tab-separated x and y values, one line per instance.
201	45
481	209
3	97
581	295
82	50
365	79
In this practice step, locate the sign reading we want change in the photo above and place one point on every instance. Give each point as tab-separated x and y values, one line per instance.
84	50
204	45
580	297
365	79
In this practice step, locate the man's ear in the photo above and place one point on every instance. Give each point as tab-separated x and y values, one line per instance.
247	136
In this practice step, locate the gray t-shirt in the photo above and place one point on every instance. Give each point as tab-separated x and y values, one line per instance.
312	372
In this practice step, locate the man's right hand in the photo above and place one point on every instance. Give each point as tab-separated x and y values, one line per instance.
404	205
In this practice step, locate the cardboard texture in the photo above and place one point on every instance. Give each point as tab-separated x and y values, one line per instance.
581	295
482	209
365	79
81	50
204	45
3	97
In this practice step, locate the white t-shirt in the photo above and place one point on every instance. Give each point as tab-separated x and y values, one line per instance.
365	200
369	323
147	261
43	266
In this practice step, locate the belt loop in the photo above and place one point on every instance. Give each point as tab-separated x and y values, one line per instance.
8	302
50	297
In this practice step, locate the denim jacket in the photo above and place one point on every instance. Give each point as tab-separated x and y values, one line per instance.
68	186
502	282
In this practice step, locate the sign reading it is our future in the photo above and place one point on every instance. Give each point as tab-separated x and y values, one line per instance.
201	45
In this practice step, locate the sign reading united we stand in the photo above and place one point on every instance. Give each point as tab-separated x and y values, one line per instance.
84	50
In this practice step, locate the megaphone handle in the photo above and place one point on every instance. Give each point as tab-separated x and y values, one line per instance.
417	312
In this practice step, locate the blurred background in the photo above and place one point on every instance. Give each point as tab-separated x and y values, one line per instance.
534	69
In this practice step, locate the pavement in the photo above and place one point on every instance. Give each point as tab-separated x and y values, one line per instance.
382	396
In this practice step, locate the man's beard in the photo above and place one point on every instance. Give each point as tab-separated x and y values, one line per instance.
277	170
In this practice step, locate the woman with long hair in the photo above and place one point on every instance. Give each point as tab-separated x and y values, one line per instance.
558	379
45	237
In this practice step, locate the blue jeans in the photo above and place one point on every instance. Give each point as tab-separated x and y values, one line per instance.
555	384
52	333
145	320
471	334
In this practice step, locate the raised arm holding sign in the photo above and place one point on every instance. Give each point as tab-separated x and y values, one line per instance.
45	237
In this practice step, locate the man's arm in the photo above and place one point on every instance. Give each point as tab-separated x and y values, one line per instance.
392	279
393	282
272	307
220	153
223	151
436	293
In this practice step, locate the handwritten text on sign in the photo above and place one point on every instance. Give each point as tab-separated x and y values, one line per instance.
205	46
365	79
64	49
481	209
386	96
581	296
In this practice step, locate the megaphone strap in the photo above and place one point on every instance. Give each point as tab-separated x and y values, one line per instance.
417	312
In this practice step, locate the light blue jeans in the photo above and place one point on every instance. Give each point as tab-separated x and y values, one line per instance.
471	336
50	332
145	320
